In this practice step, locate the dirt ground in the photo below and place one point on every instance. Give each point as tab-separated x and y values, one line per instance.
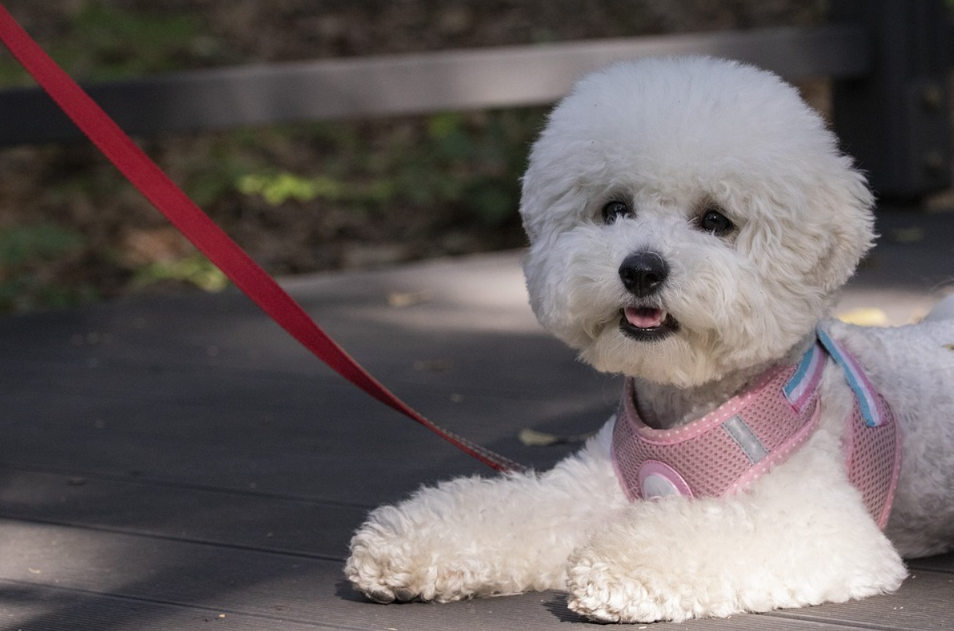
400	189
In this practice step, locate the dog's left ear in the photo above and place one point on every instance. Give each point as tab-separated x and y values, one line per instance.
848	202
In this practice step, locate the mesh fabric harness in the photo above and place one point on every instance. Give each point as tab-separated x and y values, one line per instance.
732	446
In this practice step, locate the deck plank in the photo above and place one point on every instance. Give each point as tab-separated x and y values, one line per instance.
250	520
922	604
29	607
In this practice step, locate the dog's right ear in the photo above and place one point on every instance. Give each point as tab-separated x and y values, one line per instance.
848	202
534	199
550	201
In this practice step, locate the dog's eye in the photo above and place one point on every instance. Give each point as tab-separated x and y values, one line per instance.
614	210
715	222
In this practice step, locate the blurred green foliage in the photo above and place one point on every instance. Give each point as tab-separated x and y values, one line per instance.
471	162
23	244
22	248
193	268
465	166
101	40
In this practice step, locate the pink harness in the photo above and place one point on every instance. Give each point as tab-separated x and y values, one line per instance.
732	446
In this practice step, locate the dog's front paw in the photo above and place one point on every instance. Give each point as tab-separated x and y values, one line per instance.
604	591
396	558
385	567
375	570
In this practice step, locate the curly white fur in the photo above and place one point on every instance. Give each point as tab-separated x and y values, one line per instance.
671	139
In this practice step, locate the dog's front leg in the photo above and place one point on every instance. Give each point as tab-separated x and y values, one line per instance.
677	558
486	536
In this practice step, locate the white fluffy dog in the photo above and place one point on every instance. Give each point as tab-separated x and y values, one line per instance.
691	221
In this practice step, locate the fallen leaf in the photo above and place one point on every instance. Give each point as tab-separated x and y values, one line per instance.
533	438
907	235
864	317
400	300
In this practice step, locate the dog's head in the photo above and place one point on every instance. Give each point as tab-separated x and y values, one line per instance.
688	218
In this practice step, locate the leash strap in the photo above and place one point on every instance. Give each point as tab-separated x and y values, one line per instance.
183	213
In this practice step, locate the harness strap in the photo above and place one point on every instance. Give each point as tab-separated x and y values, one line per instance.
183	213
872	440
728	448
732	446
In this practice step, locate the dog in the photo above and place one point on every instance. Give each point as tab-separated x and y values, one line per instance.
690	223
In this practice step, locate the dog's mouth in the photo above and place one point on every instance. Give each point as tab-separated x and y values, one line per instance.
646	324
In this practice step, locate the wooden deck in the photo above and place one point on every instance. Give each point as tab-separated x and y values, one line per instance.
179	463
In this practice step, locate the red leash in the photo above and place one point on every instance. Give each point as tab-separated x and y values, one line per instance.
169	199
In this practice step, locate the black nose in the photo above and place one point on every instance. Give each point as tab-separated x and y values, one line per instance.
642	273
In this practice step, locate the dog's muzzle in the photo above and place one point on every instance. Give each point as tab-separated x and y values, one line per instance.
643	274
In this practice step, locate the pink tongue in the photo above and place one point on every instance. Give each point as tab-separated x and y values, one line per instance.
643	317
